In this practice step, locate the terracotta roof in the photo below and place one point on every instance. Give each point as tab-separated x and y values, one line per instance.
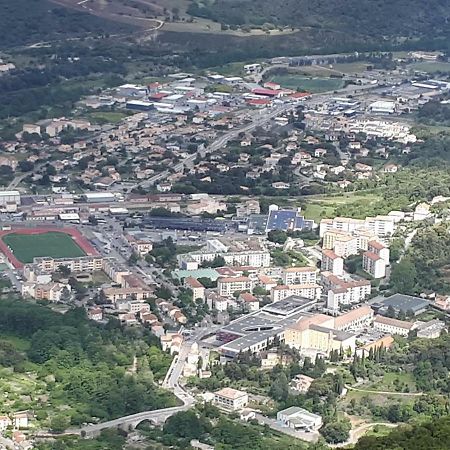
371	255
352	315
330	254
393	322
300	269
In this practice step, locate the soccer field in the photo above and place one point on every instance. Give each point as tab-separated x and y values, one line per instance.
25	247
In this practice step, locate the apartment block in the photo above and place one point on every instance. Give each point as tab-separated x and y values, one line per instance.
374	265
332	263
312	291
299	275
227	285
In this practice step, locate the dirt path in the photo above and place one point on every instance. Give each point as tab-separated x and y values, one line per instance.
369	391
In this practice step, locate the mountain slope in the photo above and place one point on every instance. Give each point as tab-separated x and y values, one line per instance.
381	18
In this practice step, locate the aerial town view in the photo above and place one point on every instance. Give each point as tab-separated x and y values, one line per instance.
224	224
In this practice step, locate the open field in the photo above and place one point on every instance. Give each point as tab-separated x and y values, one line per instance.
392	382
102	117
322	207
25	247
302	83
431	67
351	68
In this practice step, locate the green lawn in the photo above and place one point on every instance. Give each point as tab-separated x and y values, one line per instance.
308	84
54	244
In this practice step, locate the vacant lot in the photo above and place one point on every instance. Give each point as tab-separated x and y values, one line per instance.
25	247
308	84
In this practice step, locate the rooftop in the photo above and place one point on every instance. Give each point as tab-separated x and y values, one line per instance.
230	393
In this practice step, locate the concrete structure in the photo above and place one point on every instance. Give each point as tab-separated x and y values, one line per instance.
355	320
299	419
232	399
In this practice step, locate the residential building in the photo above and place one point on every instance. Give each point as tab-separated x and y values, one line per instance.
346	246
374	265
228	285
379	249
249	301
344	292
115	294
311	291
301	383
332	263
232	399
299	275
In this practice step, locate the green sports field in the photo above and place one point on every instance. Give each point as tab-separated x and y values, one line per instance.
25	247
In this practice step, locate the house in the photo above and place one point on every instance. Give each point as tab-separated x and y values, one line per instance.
5	422
250	302
390	168
232	399
431	329
20	419
299	419
301	383
95	313
319	152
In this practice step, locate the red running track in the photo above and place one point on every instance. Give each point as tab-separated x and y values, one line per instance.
81	241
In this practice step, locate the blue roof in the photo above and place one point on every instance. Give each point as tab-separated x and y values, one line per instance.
285	220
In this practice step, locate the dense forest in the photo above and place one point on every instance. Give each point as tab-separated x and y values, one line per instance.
82	369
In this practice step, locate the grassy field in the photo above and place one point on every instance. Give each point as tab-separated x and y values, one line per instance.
322	207
393	382
431	67
102	117
54	244
350	68
308	84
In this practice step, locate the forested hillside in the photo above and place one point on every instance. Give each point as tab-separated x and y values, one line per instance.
69	370
378	18
32	21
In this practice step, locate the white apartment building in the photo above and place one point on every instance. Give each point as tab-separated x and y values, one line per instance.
312	291
341	292
226	286
229	398
332	263
346	246
381	225
392	326
374	265
299	275
379	249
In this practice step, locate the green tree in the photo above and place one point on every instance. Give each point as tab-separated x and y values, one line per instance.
404	276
